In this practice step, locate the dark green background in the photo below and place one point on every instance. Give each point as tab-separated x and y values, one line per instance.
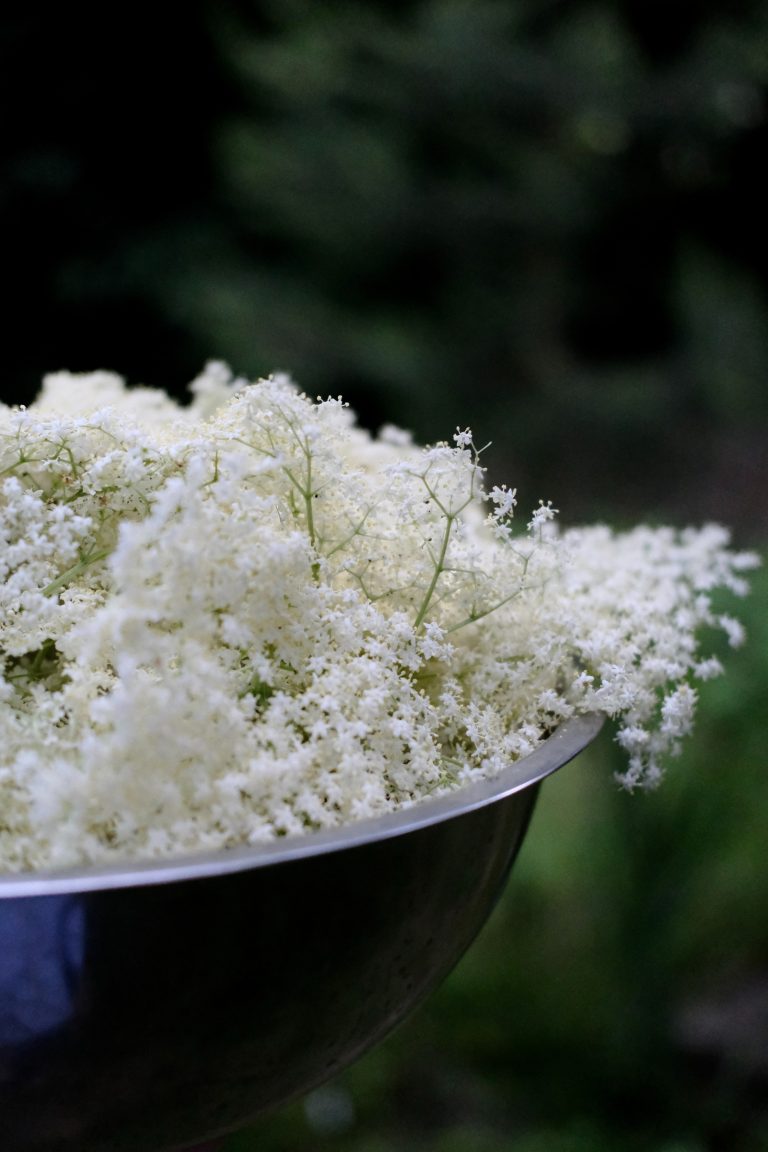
546	220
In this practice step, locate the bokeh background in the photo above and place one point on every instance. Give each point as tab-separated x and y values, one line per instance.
543	219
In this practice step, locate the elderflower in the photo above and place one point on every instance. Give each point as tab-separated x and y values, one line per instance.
248	618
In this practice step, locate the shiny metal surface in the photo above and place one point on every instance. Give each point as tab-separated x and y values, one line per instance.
149	1007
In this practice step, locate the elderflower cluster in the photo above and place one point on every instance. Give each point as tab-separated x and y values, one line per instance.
247	618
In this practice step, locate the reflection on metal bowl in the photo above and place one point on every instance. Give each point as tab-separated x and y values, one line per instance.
152	1006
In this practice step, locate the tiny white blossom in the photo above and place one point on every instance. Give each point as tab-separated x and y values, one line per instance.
463	439
733	629
542	515
505	500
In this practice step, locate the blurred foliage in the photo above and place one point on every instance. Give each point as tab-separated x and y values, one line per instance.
544	219
618	998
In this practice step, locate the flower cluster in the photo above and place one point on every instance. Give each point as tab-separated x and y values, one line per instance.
247	618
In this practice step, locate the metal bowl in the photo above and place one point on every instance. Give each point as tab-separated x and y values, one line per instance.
149	1006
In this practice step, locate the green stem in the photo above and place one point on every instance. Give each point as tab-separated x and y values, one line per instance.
480	615
73	572
439	568
308	497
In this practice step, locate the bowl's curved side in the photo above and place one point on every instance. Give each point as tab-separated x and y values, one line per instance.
176	1012
157	1013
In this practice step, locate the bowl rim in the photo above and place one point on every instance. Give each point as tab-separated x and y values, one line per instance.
565	742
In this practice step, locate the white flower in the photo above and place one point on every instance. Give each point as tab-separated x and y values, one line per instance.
505	500
248	618
463	439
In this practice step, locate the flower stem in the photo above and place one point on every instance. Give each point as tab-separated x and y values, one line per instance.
73	572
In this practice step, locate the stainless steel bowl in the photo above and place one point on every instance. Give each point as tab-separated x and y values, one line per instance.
149	1006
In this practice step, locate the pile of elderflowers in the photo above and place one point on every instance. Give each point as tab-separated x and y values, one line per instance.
247	618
